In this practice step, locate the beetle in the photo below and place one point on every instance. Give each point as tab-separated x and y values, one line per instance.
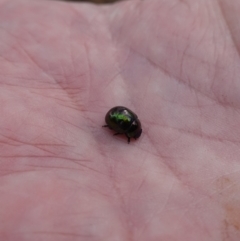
123	121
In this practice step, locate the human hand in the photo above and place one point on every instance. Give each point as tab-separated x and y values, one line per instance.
64	65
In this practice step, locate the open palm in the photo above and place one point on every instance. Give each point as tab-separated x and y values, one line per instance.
64	65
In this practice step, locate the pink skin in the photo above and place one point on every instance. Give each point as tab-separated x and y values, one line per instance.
64	65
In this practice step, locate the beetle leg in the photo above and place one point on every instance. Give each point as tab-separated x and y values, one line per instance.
116	134
128	138
107	126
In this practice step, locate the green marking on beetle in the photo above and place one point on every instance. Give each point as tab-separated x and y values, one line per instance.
120	117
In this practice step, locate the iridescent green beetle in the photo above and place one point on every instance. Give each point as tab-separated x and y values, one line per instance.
123	121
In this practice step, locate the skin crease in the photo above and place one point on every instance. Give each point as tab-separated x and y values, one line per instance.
64	65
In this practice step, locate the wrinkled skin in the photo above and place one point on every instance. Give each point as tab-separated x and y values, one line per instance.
64	65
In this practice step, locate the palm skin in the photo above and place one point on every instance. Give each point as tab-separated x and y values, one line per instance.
63	66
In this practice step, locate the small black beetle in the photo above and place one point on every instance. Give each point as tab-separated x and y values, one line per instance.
123	121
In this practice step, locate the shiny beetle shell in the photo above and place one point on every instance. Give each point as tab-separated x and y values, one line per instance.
123	121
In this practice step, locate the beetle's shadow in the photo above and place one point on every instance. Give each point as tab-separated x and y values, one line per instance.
116	134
